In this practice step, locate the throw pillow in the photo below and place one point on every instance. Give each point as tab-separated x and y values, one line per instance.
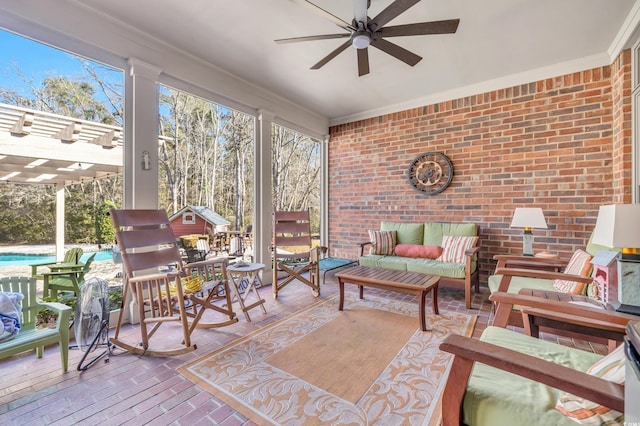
454	246
585	412
579	264
382	242
418	251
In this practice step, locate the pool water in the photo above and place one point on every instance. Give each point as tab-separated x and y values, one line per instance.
18	259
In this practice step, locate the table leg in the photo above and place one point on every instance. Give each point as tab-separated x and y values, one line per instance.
341	284
421	307
361	287
434	295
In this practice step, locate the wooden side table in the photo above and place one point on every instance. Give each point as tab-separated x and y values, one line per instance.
251	272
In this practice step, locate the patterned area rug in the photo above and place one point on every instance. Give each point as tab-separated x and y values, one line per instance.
369	364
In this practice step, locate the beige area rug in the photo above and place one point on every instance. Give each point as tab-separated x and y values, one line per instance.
369	364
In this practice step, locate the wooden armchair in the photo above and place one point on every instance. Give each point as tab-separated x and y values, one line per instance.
487	375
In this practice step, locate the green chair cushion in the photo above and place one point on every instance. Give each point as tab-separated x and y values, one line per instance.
495	397
426	266
518	283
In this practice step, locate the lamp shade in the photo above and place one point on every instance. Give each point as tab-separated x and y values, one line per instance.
618	225
528	217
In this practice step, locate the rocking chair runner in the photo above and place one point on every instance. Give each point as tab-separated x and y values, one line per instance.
292	230
159	282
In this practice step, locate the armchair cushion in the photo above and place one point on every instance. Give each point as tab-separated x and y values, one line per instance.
382	242
496	397
612	368
418	251
454	246
579	264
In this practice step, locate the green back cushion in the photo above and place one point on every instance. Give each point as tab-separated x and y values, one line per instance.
406	233
434	231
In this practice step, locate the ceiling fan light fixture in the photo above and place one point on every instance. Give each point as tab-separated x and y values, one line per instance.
361	40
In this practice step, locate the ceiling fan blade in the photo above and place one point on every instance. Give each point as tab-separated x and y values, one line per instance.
363	62
391	12
327	15
360	10
311	38
331	55
396	51
449	26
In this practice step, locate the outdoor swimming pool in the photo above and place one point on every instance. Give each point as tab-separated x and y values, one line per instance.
18	259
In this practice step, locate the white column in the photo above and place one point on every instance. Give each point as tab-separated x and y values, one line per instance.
324	193
263	202
60	223
141	136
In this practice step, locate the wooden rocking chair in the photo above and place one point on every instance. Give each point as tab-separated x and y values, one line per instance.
164	289
293	253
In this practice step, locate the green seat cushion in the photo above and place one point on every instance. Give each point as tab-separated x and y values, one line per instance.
433	267
518	283
380	261
495	397
426	266
406	233
434	231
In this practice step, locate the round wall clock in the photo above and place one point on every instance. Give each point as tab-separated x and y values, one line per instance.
430	173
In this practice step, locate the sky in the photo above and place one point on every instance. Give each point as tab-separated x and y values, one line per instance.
37	61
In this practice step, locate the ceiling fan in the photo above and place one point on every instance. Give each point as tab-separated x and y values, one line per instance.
363	32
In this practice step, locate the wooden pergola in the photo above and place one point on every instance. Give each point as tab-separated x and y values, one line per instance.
42	148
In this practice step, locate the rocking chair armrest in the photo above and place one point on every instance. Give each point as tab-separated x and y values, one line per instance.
169	275
557	376
206	262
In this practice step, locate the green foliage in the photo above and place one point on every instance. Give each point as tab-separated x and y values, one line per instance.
105	233
115	297
46	317
190	241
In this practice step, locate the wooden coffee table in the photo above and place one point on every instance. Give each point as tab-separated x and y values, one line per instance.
414	283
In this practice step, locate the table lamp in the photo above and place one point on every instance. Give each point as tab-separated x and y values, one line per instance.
528	218
618	225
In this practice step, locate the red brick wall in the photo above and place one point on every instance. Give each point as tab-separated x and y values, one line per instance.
562	144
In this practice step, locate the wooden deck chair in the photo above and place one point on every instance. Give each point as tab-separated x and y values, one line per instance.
163	288
30	337
293	253
70	256
69	279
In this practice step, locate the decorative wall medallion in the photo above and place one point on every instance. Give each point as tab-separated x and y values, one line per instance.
430	173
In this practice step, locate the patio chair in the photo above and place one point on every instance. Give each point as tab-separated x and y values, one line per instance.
72	255
164	289
67	279
29	337
509	378
293	254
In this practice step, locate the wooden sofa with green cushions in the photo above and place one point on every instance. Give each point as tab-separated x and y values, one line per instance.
428	235
508	378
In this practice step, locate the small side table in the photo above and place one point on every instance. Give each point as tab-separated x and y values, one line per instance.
250	272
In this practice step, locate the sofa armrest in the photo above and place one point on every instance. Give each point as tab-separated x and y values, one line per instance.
361	247
468	350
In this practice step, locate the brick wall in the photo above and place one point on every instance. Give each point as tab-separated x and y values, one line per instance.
563	144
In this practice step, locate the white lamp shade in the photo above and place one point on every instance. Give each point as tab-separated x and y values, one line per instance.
528	217
618	225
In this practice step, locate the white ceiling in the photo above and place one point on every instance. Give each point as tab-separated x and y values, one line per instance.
499	43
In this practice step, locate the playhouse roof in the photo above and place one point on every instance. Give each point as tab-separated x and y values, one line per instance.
205	213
